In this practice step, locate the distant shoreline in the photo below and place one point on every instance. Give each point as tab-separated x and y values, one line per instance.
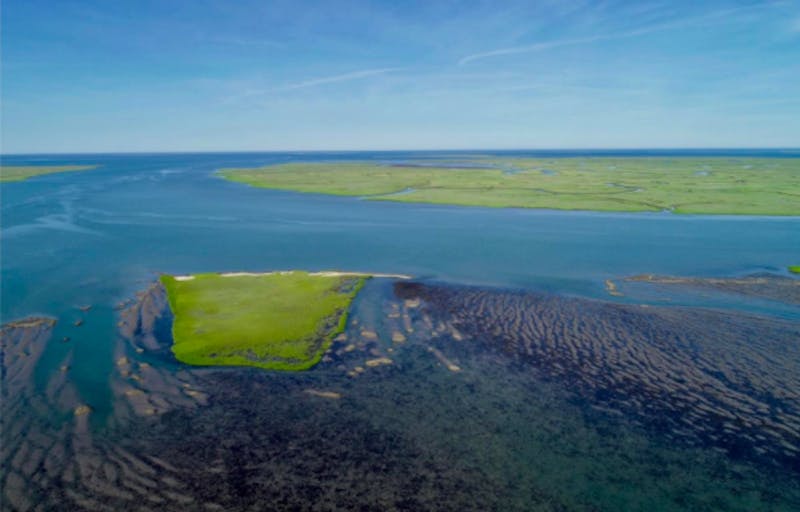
17	173
777	152
733	185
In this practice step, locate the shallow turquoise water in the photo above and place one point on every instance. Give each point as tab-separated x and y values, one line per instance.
96	238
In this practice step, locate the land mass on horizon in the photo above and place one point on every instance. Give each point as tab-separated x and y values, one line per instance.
707	185
23	172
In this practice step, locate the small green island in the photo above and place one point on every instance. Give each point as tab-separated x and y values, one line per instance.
794	269
276	321
691	185
23	172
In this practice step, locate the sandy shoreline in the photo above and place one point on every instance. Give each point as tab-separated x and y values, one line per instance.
326	273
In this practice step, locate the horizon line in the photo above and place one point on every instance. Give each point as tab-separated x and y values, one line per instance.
417	150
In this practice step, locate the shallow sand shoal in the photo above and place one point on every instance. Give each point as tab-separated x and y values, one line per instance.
325	273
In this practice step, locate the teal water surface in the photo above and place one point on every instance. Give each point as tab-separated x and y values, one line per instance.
97	238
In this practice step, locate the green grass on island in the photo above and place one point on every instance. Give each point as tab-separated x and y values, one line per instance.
278	321
718	185
23	172
794	269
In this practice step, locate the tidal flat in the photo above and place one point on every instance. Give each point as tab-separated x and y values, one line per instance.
435	397
766	286
733	186
569	388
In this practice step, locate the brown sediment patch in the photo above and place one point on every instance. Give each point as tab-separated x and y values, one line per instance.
378	361
407	323
369	335
611	288
411	303
444	360
82	410
141	389
783	289
21	345
139	318
50	455
702	376
44	432
323	394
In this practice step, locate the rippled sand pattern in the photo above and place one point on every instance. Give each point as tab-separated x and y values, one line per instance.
783	289
142	388
52	459
263	438
33	449
410	411
731	380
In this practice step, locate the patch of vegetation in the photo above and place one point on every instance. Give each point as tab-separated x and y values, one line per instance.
23	172
718	185
277	321
794	269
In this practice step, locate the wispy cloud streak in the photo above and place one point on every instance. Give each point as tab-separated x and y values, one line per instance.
345	77
251	92
534	47
238	41
649	29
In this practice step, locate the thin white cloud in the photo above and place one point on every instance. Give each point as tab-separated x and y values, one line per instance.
250	92
533	48
345	77
238	41
650	29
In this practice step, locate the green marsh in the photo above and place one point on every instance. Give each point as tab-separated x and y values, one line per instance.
277	321
746	186
23	172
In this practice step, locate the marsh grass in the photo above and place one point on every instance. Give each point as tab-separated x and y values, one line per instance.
23	172
747	186
282	321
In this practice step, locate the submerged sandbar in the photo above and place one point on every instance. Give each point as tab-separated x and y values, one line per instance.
771	287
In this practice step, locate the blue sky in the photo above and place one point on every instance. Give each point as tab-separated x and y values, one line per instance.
206	75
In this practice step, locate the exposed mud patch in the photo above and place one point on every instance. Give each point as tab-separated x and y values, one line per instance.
434	398
782	289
